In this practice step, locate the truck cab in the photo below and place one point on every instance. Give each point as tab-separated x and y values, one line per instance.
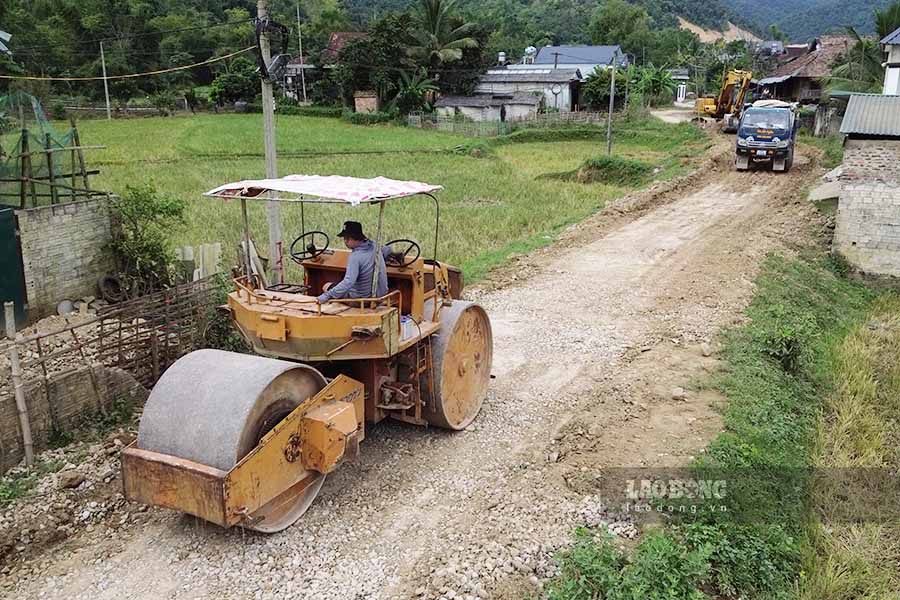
766	135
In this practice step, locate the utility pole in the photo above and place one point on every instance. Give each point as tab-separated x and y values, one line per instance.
273	209
612	104
105	84
555	59
302	66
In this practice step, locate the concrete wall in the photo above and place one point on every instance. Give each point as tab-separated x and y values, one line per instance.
868	218
65	403
892	73
64	252
563	101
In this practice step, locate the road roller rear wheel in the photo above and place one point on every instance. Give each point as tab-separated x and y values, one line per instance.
213	407
462	353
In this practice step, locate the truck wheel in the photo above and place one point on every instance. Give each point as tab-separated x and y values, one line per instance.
790	161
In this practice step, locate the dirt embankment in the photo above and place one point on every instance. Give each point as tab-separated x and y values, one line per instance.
598	339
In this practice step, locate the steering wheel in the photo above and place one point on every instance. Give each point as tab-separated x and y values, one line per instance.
402	257
308	249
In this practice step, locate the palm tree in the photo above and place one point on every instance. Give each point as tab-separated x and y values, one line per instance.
438	38
860	70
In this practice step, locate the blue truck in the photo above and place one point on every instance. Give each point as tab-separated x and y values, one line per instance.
766	135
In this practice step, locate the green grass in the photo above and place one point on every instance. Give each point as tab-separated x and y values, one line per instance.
832	148
780	367
20	484
491	207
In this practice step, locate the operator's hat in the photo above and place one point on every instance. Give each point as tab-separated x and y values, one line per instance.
353	230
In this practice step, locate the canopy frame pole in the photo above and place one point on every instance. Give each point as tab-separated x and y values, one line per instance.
437	222
377	252
248	266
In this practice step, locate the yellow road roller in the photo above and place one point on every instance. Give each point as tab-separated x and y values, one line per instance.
242	439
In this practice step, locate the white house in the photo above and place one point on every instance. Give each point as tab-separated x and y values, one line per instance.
891	45
559	87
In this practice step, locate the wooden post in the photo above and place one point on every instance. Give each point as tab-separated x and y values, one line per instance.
72	170
54	421
54	195
23	150
77	141
100	404
16	368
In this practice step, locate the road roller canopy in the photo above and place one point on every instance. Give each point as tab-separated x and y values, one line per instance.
329	189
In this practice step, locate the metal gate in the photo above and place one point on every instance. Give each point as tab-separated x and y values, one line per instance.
12	278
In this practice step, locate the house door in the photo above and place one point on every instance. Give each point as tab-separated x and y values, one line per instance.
12	278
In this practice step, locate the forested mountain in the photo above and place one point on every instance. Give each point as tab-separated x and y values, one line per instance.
801	20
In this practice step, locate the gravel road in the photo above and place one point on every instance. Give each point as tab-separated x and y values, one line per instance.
591	335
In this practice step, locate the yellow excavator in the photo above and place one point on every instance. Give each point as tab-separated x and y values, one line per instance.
729	104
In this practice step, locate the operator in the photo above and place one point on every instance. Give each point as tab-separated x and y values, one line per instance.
357	282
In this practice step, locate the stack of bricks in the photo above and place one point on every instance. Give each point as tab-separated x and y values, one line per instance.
868	219
65	251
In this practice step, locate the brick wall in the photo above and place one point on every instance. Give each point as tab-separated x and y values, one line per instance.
868	226
872	160
64	252
64	404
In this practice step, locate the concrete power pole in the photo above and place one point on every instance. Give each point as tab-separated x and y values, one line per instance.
612	105
105	84
302	65
273	209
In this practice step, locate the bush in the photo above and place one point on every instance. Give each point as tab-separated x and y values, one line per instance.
141	246
613	170
219	332
163	102
372	118
563	134
474	148
333	112
58	110
240	83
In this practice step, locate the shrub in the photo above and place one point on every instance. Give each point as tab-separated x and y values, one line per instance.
144	219
240	83
613	170
562	134
219	332
163	102
58	110
333	112
372	118
474	148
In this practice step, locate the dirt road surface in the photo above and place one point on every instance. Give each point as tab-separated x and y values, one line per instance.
591	336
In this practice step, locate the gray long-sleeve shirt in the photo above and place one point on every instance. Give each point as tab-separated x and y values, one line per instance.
357	282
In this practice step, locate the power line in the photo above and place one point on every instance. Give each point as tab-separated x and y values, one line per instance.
130	75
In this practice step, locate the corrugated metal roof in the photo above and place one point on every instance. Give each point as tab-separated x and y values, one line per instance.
587	55
486	100
893	38
872	114
530	76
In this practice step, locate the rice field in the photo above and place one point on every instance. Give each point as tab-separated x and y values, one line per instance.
491	206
